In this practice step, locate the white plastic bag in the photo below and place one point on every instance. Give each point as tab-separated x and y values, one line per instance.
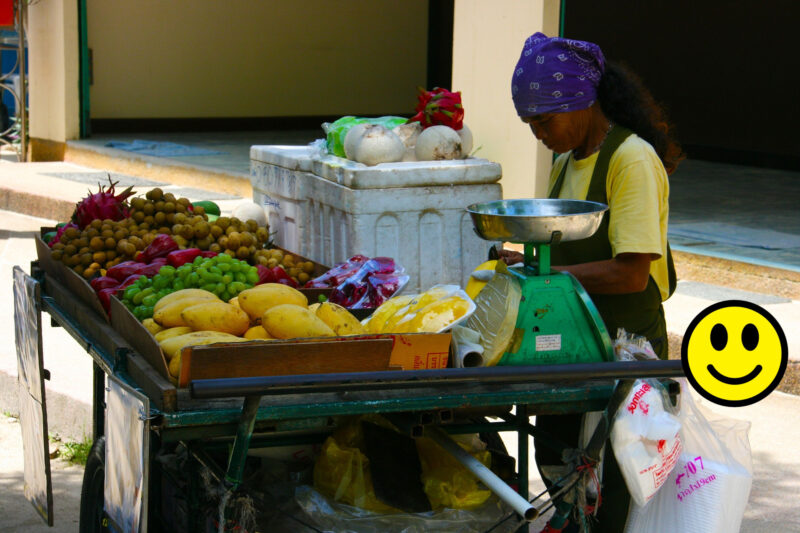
708	490
645	439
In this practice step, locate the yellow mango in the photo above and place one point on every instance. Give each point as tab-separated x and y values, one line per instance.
385	310
287	321
175	366
181	294
257	332
339	319
435	316
216	316
313	307
165	334
151	325
262	297
169	316
174	345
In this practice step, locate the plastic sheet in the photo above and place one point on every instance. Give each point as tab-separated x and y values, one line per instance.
496	310
31	392
127	434
329	515
708	490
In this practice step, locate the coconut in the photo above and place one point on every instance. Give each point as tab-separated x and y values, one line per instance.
408	133
466	140
352	138
438	142
376	144
250	211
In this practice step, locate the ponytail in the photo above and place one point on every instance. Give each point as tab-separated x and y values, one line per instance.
626	101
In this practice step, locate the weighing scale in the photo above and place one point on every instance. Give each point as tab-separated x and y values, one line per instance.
557	321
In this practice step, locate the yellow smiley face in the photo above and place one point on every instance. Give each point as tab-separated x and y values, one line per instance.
734	353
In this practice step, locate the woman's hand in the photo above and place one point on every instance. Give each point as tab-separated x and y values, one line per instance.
510	257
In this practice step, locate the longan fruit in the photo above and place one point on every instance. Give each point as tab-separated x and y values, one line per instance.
57	255
214	247
179	218
201	229
148	208
138	216
137	203
247	239
70	249
86	259
216	231
160	217
97	243
160	205
149	220
234	240
169	197
223	222
199	210
243	252
169	207
99	257
96	223
155	194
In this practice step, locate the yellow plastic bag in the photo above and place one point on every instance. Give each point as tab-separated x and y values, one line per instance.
446	482
341	472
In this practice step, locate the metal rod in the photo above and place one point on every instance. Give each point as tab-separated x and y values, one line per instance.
233	477
494	483
403	379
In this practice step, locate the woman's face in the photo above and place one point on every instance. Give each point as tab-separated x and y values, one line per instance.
560	132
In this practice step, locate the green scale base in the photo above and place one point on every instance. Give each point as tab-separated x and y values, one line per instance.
557	322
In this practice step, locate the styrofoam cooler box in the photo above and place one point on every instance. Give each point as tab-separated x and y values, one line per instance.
327	209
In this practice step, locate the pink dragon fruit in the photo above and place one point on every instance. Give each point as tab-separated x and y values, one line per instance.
102	205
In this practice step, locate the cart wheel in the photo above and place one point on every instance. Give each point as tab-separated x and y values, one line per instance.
91	517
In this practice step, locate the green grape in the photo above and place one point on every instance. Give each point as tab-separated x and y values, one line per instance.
193	280
150	300
167	270
235	267
178	285
236	287
227	279
223	258
240	277
210	287
225	296
139	296
219	289
198	260
147	311
224	267
214	270
252	276
131	291
160	282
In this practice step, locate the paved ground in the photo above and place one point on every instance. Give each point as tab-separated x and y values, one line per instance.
775	421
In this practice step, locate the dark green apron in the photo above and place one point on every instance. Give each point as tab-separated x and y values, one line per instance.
640	313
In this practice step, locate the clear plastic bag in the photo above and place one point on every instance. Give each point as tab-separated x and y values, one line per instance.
708	490
436	310
375	281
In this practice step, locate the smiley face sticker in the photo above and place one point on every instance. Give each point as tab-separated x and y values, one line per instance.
734	353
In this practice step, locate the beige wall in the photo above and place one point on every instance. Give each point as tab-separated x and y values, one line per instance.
487	41
53	99
252	58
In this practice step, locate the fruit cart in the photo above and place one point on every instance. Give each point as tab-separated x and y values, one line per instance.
160	449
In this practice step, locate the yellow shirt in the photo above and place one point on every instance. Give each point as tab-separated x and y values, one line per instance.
637	190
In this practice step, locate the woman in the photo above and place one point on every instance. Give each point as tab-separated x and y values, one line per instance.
616	148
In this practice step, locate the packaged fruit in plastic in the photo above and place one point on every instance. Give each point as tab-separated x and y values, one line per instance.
433	311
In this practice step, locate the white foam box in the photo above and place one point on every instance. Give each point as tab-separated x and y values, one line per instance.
328	209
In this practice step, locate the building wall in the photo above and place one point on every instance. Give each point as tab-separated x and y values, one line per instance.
53	98
250	58
487	41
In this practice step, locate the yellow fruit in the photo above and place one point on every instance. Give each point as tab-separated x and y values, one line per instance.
339	319
175	366
165	334
313	307
151	326
183	293
287	321
235	301
216	316
474	286
257	332
385	311
173	346
435	316
169	316
260	298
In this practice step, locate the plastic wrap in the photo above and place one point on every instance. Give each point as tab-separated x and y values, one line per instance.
467	349
31	392
496	309
436	310
333	516
336	131
707	492
127	434
361	282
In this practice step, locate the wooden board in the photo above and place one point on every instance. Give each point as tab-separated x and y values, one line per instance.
161	392
267	358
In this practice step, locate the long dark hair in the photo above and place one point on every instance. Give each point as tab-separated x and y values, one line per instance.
625	100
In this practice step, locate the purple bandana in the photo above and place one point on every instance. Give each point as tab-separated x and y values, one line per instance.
555	75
